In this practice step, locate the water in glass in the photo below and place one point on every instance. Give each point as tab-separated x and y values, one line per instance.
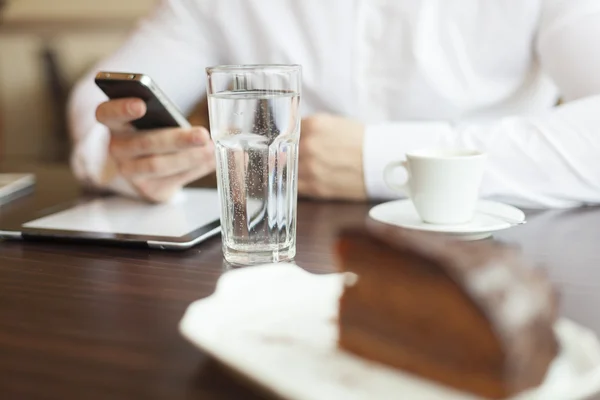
256	134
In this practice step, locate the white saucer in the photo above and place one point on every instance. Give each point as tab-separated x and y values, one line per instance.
402	213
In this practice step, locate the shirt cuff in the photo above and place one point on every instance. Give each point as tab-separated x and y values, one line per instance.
387	142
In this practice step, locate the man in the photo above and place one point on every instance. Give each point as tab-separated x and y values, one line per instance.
380	78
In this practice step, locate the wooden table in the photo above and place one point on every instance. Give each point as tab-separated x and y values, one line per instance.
87	322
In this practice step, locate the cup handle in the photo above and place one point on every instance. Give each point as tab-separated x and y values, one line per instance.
388	177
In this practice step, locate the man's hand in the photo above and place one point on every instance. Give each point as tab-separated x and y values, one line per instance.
158	162
330	163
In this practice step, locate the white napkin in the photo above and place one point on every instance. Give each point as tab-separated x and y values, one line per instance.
276	325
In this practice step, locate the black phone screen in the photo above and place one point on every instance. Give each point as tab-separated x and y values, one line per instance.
156	116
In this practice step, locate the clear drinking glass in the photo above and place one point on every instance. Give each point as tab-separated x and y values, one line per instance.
255	125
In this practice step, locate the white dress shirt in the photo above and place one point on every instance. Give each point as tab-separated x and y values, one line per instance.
483	74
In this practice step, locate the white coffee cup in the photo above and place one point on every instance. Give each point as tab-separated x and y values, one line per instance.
443	184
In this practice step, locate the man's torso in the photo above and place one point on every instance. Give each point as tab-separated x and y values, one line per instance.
394	59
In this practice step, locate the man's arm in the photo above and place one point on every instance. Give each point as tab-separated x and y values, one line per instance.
173	46
551	159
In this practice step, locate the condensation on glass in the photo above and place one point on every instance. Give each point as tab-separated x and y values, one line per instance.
255	125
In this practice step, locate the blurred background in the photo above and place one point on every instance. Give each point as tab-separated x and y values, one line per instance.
45	46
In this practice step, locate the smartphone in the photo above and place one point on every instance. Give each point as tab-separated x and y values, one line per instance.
161	112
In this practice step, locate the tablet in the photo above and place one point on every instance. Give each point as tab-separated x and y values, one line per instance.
13	186
190	218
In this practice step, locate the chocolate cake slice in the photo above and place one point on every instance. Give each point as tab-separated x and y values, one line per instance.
473	316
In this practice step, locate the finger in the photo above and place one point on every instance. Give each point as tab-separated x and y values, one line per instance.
160	141
306	177
303	188
117	114
162	189
307	189
304	171
163	165
310	169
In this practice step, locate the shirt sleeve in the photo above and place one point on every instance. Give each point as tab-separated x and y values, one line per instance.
550	159
172	46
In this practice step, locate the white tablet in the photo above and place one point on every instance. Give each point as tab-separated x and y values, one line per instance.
190	218
13	186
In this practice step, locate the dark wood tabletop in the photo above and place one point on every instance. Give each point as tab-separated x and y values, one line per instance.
92	322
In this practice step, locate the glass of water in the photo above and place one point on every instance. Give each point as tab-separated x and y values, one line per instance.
255	125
